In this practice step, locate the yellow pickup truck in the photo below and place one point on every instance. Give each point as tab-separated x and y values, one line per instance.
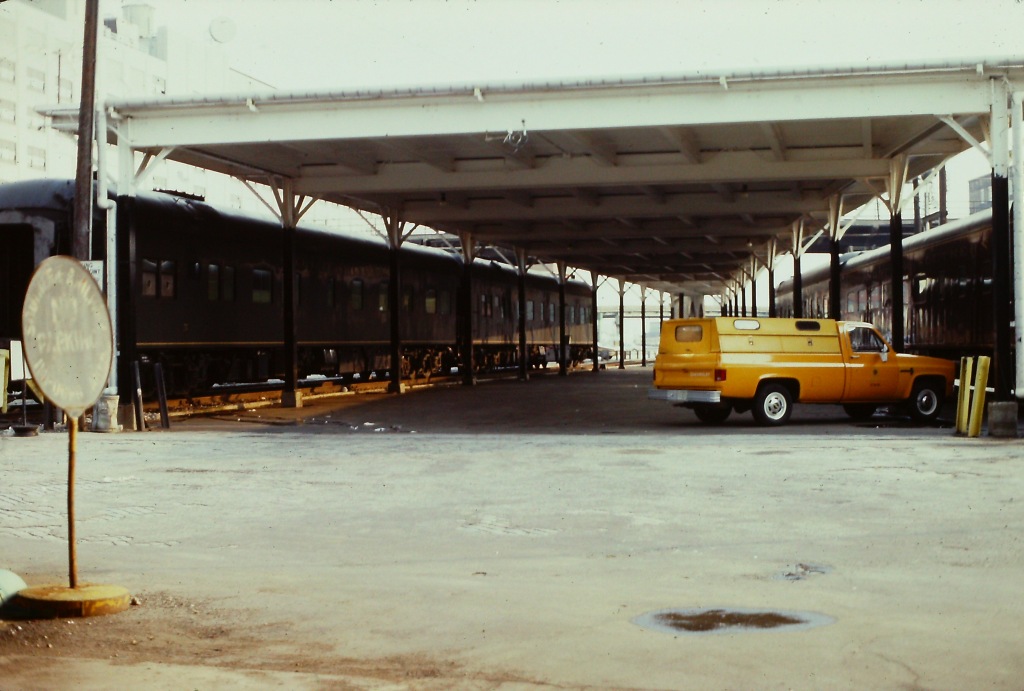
718	365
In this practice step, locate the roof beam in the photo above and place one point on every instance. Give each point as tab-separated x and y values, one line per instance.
641	169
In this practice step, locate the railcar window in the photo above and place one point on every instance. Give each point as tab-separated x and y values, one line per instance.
551	313
498	306
227	283
355	296
529	311
330	291
212	282
382	297
148	278
689	333
407	301
262	286
572	315
168	279
430	301
298	288
444	305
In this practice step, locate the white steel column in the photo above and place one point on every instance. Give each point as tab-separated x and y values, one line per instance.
1018	234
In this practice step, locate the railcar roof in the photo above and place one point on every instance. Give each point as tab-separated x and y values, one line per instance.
677	182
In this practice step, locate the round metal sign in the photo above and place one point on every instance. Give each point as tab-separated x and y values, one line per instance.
67	336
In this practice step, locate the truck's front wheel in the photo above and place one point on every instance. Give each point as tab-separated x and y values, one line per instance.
926	400
773	404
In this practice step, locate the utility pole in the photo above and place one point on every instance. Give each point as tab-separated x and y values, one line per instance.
86	114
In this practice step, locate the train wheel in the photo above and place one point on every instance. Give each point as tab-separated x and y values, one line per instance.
712	413
926	401
860	411
773	404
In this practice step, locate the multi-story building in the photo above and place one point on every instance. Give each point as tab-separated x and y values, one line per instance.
41	66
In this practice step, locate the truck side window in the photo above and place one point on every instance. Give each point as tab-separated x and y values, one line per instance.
866	341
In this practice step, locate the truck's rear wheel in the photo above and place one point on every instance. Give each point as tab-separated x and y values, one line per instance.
860	411
712	413
773	404
926	400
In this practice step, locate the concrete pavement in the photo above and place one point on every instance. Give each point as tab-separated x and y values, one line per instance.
506	536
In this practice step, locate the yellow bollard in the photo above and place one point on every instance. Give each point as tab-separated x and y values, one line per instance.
963	401
978	402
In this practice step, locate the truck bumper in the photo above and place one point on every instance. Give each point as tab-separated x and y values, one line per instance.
684	396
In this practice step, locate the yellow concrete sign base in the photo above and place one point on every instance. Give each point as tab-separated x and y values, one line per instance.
58	601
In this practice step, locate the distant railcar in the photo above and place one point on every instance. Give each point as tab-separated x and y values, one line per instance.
947	277
200	291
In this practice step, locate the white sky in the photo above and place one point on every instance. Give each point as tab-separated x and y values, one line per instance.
331	44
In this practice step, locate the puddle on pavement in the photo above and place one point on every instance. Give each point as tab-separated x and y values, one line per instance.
721	620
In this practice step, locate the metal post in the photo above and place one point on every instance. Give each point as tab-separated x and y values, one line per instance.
563	339
643	327
622	324
291	397
1002	279
834	291
466	310
897	176
524	350
394	228
161	395
798	278
753	293
1018	235
593	321
896	281
140	419
72	452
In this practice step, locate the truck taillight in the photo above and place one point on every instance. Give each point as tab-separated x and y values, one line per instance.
719	375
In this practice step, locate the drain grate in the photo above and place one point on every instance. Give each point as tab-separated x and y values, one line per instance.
721	620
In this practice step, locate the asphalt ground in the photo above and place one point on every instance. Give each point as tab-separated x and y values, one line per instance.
512	535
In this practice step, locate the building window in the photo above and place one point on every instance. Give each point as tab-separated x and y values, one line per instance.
36	158
7	70
65	90
8	111
262	286
36	79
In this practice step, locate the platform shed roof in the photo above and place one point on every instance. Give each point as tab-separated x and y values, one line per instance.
673	182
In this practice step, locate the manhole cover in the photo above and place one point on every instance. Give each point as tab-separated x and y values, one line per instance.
722	620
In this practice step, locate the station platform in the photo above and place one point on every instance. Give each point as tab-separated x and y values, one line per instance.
518	535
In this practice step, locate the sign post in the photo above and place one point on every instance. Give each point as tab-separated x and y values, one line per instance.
69	349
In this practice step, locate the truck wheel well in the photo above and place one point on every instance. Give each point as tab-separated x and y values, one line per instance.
792	385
